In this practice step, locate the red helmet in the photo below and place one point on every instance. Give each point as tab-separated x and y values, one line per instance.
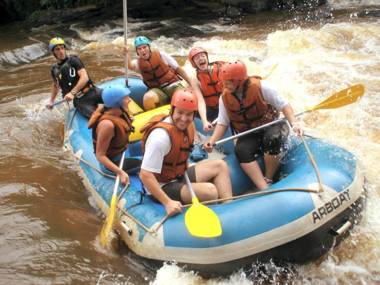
185	99
233	71
193	52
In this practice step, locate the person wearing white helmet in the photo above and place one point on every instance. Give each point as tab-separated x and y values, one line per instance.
70	76
160	72
111	126
166	143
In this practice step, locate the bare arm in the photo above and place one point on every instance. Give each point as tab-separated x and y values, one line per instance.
289	115
131	66
201	105
183	74
150	182
54	92
105	133
216	135
83	79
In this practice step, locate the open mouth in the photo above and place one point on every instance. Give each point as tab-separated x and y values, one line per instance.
202	64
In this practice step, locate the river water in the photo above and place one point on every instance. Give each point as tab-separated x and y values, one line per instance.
49	223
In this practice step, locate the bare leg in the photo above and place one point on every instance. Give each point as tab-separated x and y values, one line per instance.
271	165
252	169
204	191
216	171
150	100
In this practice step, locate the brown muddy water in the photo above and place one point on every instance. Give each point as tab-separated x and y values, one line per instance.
49	223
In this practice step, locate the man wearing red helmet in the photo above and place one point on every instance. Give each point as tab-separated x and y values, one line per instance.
166	144
208	84
160	72
246	103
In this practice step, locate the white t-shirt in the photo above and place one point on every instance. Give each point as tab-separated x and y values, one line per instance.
157	146
270	96
168	59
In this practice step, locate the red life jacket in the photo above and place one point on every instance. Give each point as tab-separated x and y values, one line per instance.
211	86
123	128
251	110
155	72
175	162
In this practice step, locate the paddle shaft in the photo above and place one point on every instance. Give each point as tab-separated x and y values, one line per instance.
222	141
56	103
116	186
125	39
188	184
59	102
339	99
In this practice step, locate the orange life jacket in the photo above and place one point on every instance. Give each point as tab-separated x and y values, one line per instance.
155	72
211	86
175	162
251	110
123	128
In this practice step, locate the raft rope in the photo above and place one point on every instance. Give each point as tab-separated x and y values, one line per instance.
256	194
314	164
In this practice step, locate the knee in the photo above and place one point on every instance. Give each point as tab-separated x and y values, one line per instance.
150	100
211	193
222	166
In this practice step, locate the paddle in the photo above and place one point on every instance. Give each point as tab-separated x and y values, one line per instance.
107	227
270	71
200	220
339	99
56	103
125	40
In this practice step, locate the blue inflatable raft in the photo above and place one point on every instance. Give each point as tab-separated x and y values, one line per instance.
291	221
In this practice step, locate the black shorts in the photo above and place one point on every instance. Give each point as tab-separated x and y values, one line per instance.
88	103
173	188
271	140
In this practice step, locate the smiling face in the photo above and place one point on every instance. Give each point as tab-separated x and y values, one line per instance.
201	61
59	52
143	51
182	118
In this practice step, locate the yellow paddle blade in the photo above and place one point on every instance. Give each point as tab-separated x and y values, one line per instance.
107	227
341	98
201	221
270	71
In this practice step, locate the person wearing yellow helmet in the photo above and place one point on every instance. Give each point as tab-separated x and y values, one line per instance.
160	72
70	76
167	143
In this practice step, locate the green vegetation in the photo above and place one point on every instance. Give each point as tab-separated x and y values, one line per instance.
20	9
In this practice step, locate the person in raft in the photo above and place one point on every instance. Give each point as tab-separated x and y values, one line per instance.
247	103
111	126
207	83
160	72
70	75
166	144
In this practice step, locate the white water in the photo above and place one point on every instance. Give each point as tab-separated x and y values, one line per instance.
313	62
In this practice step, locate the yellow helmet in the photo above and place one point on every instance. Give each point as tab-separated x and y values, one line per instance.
56	41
